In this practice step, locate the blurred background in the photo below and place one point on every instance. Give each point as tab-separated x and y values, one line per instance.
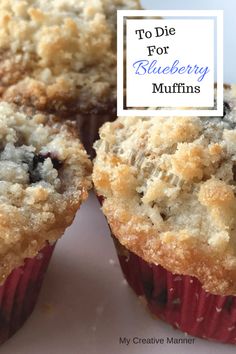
229	7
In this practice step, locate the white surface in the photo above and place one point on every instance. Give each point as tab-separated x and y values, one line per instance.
85	307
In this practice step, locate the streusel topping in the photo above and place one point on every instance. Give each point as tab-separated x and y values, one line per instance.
59	54
44	177
169	186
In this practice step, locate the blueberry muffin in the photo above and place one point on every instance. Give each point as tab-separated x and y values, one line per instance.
168	187
60	57
44	177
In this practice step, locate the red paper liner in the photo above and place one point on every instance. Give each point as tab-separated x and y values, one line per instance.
179	299
89	124
19	292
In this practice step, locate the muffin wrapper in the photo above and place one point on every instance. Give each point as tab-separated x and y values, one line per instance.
179	299
89	124
20	290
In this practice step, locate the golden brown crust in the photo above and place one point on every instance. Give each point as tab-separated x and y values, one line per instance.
44	177
169	188
176	252
59	56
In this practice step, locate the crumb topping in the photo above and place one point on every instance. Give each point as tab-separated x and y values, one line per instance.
44	177
169	188
59	54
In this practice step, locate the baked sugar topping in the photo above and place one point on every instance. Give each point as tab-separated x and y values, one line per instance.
59	55
44	177
169	191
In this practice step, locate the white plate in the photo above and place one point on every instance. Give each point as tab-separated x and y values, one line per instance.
85	306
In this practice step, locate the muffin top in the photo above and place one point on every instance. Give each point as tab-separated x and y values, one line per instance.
169	188
44	177
59	55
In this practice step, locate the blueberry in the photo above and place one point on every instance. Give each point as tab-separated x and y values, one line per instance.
228	305
162	297
40	158
148	288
